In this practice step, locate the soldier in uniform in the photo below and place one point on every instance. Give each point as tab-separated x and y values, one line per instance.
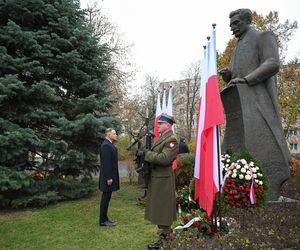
161	203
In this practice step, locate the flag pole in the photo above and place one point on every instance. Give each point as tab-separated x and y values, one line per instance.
219	162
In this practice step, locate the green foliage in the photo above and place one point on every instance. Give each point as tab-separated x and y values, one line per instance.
54	81
192	145
21	189
185	169
122	145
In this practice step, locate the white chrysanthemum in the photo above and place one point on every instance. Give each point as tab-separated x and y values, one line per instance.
234	175
238	166
260	182
253	170
255	176
251	164
257	168
234	170
256	180
241	176
227	160
244	161
243	170
248	172
247	177
227	165
227	155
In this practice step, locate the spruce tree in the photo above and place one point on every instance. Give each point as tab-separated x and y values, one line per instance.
54	98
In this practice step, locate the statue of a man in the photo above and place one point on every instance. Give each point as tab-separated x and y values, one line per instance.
250	100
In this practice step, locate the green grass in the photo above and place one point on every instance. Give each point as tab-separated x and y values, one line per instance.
74	225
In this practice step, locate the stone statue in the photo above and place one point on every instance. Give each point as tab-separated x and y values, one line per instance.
250	100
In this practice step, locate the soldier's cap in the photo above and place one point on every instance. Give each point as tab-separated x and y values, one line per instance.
166	118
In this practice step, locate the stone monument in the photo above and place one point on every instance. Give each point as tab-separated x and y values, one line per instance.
250	100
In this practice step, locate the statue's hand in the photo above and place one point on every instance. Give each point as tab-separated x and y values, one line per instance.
237	81
226	74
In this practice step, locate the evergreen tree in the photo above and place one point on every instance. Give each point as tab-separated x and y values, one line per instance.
54	98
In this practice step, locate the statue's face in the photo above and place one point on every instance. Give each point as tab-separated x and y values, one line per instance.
238	26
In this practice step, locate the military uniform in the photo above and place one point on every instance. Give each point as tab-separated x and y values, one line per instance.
161	202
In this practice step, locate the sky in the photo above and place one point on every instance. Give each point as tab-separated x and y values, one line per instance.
168	35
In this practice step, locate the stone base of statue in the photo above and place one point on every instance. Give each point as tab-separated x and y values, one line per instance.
249	126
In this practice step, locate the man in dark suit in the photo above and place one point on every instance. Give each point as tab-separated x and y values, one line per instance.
251	102
109	174
183	148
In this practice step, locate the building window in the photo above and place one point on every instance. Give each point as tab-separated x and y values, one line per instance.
181	111
293	131
181	90
293	146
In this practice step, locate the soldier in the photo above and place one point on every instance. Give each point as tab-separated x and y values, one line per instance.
161	203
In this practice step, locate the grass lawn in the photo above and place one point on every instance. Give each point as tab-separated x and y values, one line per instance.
74	225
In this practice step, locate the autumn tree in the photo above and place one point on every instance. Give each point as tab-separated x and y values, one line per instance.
289	92
109	35
192	76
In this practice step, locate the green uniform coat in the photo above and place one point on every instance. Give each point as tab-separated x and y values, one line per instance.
161	202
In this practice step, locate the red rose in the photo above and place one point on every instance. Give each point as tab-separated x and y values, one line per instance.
241	187
238	204
234	192
208	231
226	201
232	185
206	216
247	189
259	194
249	205
261	187
185	218
236	197
255	186
248	184
196	224
244	200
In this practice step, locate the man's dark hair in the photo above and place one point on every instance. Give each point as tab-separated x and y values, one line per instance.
244	14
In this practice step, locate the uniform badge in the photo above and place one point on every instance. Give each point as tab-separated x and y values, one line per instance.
172	145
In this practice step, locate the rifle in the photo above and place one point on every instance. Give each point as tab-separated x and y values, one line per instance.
143	167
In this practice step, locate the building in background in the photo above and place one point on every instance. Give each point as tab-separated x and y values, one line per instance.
185	105
293	138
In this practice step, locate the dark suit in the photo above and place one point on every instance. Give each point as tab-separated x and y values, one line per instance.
108	170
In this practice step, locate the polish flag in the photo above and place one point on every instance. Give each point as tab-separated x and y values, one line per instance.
207	170
164	103
157	116
170	112
169	109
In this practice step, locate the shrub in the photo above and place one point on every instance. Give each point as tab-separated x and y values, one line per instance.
185	169
21	189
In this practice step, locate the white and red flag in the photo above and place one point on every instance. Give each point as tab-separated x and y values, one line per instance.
164	103
170	112
157	116
169	109
207	171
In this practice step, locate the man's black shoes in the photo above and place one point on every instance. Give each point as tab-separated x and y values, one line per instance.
156	245
107	223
